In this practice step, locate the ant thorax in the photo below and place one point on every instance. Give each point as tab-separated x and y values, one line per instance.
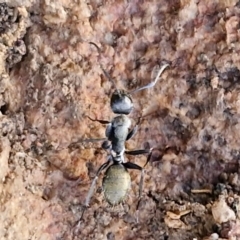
117	132
118	129
121	121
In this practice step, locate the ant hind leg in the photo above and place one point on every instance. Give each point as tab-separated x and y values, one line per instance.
89	195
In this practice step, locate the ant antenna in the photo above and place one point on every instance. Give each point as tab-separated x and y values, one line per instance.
152	84
104	71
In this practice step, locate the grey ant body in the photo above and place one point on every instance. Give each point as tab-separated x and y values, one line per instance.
117	181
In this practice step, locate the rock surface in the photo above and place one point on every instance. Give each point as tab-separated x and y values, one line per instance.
51	81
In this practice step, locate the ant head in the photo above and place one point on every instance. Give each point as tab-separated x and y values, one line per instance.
121	102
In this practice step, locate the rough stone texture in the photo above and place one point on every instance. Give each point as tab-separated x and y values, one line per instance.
51	81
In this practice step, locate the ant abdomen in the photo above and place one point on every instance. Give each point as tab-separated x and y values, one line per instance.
116	184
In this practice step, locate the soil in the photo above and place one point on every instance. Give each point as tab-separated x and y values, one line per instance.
52	83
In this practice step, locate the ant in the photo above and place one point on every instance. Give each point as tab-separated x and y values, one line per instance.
116	180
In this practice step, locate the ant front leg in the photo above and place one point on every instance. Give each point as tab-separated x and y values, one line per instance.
132	132
99	120
137	152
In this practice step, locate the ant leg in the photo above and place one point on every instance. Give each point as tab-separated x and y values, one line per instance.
78	143
90	192
149	157
152	84
109	126
137	152
99	120
108	130
135	166
130	165
132	132
106	145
